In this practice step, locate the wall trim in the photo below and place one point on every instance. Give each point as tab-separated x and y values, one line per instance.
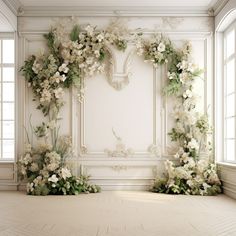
112	11
8	186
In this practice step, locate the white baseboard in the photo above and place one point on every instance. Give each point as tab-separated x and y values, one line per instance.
229	192
8	186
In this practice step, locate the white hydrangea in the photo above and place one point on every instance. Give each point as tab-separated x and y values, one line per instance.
90	30
53	157
45	96
34	167
26	159
52	166
193	144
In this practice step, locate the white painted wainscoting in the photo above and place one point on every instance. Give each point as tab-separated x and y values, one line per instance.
123	110
227	174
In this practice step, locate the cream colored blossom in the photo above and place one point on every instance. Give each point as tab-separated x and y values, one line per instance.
53	179
65	173
64	68
161	47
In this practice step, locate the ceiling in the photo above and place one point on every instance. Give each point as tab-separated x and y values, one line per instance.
44	7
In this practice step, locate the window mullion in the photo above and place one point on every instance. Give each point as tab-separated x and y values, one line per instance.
1	101
234	96
224	102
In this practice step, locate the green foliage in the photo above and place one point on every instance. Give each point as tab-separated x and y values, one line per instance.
51	43
74	34
172	88
73	77
121	44
102	55
69	186
180	186
159	185
27	71
176	136
41	190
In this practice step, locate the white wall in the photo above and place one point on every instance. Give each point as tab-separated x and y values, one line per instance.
227	171
138	113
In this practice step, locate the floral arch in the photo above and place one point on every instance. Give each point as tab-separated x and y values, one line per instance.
81	53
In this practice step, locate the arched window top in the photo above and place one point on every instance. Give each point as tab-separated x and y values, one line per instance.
227	20
8	21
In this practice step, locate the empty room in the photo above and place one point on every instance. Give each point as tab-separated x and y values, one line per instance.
118	118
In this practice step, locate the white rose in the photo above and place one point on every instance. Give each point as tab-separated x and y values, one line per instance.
187	94
53	179
193	144
100	37
63	68
65	173
161	47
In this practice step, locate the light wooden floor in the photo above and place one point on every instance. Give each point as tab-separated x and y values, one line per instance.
116	214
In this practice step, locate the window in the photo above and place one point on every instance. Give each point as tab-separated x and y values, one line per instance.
7	97
229	58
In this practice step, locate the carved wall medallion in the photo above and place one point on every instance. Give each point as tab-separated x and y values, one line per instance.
120	150
154	150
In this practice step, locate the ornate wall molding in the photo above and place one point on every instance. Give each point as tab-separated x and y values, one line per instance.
116	79
120	150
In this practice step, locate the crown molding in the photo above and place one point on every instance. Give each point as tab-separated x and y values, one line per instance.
13	5
20	10
219	6
112	11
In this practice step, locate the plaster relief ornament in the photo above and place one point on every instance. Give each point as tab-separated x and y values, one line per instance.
121	150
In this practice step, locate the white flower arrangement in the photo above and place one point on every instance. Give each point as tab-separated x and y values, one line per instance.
80	54
192	175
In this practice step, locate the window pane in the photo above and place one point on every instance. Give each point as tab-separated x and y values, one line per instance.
230	43
230	150
8	51
8	129
230	128
8	111
8	74
230	76
8	149
230	105
8	92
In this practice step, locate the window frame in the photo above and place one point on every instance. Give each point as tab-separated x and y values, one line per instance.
225	61
8	36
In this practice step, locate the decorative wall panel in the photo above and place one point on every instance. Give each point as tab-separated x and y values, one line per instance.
120	130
